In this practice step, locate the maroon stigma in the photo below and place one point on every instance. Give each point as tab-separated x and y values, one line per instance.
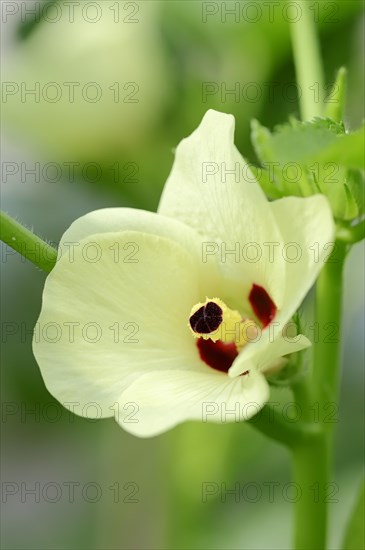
207	319
262	305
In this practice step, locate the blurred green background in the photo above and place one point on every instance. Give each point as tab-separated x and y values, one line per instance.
152	64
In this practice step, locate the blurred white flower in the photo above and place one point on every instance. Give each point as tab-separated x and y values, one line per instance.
160	318
90	80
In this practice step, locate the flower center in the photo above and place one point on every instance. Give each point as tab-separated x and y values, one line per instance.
213	320
206	319
221	332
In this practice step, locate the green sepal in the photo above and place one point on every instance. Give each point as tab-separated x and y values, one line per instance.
355	182
335	102
291	372
297	363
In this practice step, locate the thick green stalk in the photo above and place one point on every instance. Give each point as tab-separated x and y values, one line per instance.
310	467
302	391
328	316
312	458
308	64
27	243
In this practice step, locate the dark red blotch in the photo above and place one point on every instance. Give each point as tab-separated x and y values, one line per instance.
217	355
262	305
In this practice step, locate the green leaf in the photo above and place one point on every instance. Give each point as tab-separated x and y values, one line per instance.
324	124
323	140
304	158
295	141
355	536
346	150
268	185
261	139
282	175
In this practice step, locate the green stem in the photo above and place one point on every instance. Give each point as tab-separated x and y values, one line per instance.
27	243
328	318
351	234
310	466
272	424
302	392
312	457
308	64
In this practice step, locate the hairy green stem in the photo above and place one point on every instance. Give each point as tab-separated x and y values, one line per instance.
308	63
27	243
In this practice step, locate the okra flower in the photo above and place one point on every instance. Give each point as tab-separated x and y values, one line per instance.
161	318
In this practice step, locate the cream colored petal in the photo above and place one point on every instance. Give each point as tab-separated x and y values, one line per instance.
112	312
308	231
282	346
107	220
212	189
161	400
